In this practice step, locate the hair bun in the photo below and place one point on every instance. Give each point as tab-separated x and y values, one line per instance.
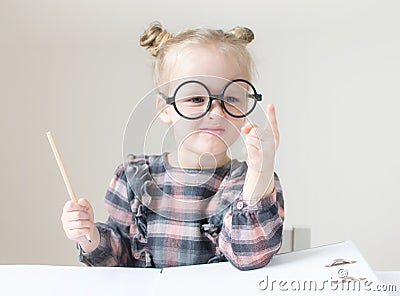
154	37
242	33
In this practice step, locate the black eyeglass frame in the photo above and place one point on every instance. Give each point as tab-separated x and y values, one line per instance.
211	97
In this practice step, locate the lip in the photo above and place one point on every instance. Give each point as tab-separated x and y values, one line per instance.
213	129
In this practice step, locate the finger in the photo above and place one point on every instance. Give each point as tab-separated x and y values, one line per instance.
260	145
76	216
258	133
271	113
247	128
78	224
251	149
72	206
256	143
85	203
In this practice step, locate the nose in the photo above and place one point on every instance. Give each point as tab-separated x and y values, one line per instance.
216	107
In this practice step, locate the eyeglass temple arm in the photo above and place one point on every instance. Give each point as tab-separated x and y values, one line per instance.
258	97
169	100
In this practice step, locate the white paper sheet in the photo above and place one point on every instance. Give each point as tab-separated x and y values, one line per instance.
305	268
75	280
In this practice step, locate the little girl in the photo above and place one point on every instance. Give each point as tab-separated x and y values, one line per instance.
234	211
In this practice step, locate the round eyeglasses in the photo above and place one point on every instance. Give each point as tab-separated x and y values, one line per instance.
192	99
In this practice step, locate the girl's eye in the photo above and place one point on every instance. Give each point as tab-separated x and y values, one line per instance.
231	99
196	100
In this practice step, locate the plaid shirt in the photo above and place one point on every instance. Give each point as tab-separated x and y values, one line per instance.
147	227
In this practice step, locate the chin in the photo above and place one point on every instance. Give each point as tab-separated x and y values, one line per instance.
208	143
214	149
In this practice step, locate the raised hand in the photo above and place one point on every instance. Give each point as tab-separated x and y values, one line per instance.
262	143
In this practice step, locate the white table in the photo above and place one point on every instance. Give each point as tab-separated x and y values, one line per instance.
284	273
389	278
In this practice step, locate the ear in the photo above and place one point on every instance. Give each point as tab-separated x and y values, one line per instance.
164	111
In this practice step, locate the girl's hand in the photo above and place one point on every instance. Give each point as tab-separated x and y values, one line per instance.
262	143
78	220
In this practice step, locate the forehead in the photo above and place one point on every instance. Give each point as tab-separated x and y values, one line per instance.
206	64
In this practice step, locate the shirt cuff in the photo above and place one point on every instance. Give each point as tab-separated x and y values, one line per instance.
99	252
263	204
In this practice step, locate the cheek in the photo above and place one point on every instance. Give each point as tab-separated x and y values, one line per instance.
236	125
183	127
233	130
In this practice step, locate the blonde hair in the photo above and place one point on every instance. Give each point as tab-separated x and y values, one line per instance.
159	42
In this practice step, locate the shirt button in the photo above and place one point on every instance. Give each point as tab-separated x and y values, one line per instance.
146	199
239	205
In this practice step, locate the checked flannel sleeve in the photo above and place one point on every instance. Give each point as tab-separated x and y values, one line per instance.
252	234
114	248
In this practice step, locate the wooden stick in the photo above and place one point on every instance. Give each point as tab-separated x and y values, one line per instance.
64	173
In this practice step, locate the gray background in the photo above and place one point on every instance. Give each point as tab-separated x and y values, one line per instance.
76	68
